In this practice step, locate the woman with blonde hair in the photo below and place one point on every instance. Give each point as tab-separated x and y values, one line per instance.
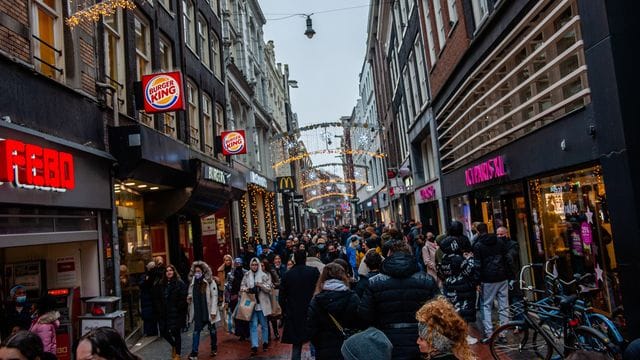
258	283
442	333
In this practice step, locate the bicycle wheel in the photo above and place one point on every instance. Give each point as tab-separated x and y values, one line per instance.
589	339
606	327
516	340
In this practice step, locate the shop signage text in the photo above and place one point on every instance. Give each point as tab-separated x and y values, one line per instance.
32	167
215	174
258	179
486	171
233	142
286	184
428	193
162	92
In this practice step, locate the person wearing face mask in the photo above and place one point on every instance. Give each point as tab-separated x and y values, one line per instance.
258	283
174	309
203	306
332	254
18	312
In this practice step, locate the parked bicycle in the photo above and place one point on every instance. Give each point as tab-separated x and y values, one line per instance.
536	335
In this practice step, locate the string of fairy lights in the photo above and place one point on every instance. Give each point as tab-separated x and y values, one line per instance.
94	12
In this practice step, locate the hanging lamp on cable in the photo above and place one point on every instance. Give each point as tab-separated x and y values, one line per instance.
309	32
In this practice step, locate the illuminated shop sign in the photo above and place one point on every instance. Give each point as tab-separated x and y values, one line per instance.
258	179
215	174
162	92
233	142
428	193
32	167
486	171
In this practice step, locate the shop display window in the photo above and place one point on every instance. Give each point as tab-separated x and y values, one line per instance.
571	220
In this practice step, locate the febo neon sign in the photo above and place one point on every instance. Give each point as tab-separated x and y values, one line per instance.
488	170
428	193
30	166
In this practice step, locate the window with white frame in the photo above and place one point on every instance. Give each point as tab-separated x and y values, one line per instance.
256	141
167	4
166	64
421	65
415	84
204	47
428	159
216	59
453	12
480	11
408	92
219	123
143	58
397	15
193	115
395	75
437	9
114	57
207	123
47	37
189	23
430	38
215	6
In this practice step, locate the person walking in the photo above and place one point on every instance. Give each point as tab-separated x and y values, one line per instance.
258	283
313	259
46	323
495	271
296	290
221	279
103	343
373	261
150	323
17	312
392	298
203	306
428	252
174	310
240	327
442	332
275	280
333	305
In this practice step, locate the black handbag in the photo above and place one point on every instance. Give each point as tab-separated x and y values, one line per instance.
346	333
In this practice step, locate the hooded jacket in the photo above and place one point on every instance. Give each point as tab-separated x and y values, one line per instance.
262	281
493	255
211	291
392	298
45	327
325	336
460	276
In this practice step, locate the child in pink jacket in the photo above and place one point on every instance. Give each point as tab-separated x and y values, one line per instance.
46	323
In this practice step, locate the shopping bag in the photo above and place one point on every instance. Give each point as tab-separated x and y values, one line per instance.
245	306
275	305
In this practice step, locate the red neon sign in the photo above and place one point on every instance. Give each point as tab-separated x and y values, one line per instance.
30	166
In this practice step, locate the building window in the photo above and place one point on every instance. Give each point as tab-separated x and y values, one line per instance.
256	141
216	59
114	57
418	49
166	64
408	92
437	9
193	115
207	123
480	11
428	159
143	59
189	23
215	6
219	124
453	12
203	42
167	4
47	37
430	38
415	84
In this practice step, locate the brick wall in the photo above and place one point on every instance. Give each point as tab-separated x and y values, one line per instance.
14	29
87	57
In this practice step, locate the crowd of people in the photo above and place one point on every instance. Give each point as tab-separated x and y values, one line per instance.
353	292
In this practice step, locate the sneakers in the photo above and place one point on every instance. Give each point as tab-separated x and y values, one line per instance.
193	356
471	340
254	351
265	346
213	353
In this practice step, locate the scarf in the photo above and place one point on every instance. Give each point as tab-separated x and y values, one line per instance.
334	285
441	343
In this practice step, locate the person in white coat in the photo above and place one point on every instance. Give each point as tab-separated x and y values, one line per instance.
203	305
258	283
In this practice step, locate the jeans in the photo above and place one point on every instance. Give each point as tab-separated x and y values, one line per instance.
256	317
296	352
212	333
229	320
173	337
489	292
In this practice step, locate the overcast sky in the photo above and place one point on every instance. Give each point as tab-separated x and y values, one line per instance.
326	66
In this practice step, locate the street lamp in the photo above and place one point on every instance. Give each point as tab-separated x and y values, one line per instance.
309	32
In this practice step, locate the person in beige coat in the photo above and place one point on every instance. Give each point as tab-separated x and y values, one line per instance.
203	305
258	283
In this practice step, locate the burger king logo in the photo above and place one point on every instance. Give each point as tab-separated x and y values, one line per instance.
162	92
233	142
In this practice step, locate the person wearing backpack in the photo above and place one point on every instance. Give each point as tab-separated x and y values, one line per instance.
492	253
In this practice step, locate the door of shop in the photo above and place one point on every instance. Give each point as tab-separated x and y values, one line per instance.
429	217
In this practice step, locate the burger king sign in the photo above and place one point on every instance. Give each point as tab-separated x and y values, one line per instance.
163	92
233	142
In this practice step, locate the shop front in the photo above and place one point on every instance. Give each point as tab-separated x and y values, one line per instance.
428	199
560	213
258	209
55	222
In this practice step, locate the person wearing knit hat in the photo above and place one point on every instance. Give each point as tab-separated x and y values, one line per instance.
370	344
442	333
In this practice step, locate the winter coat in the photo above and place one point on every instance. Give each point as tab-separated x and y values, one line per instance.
296	290
363	282
211	293
460	276
325	336
316	263
146	297
174	305
493	257
14	318
45	327
261	281
392	298
429	258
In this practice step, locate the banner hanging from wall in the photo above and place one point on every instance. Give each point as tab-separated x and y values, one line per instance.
162	92
233	142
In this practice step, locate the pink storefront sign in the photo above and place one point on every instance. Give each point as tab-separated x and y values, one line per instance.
428	193
485	171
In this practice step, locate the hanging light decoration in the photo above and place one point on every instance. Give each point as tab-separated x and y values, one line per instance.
309	32
95	11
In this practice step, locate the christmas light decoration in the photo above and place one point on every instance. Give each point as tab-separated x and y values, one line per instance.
333	181
297	132
243	214
94	12
328	151
328	195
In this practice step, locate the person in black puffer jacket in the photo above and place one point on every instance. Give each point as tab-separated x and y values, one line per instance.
393	297
334	297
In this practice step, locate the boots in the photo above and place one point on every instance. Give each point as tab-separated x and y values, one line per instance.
174	355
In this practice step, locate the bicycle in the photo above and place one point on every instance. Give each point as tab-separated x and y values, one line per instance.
533	338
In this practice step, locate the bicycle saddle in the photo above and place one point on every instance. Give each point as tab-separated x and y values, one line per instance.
566	302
